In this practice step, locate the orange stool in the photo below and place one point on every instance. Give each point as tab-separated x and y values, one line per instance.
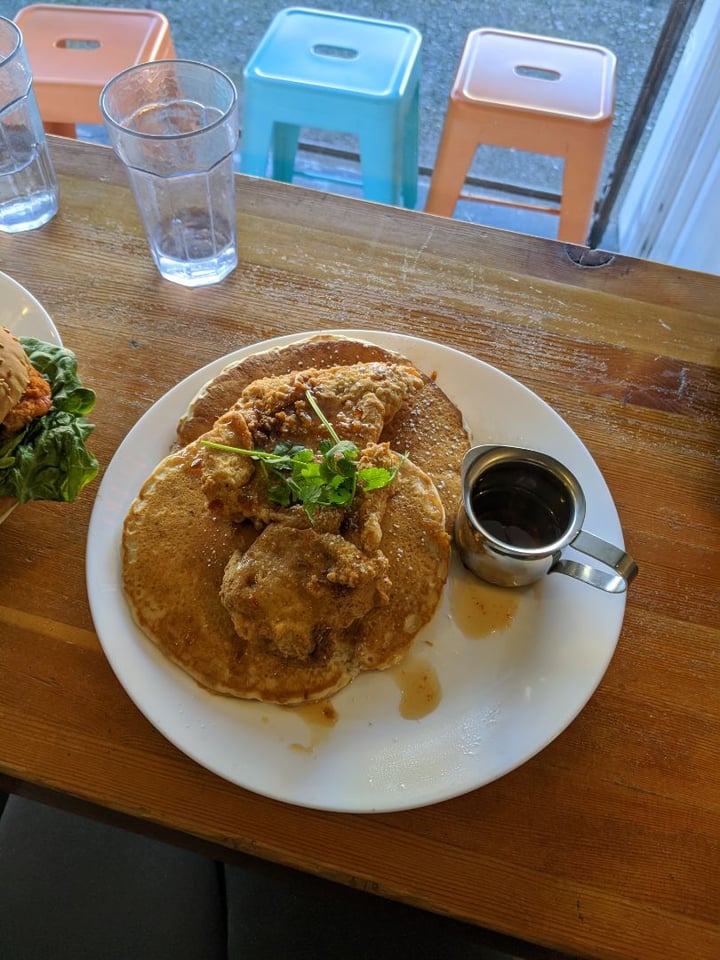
74	51
532	93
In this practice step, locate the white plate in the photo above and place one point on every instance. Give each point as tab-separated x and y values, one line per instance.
503	697
21	313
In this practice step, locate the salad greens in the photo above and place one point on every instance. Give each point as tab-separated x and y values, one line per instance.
48	459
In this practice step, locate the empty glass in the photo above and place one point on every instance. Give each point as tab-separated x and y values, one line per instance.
174	125
28	187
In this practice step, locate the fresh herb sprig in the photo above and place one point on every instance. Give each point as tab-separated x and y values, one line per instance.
295	474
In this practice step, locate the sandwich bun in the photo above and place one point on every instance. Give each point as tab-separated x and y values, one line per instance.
14	378
43	404
14	373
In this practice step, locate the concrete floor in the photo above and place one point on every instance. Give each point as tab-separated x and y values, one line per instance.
225	32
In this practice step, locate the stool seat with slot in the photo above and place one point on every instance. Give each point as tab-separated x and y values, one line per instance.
538	94
331	71
74	51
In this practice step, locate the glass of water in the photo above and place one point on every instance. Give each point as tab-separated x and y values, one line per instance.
28	187
174	125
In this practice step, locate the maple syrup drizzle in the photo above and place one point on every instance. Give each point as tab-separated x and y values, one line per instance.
320	717
420	689
479	609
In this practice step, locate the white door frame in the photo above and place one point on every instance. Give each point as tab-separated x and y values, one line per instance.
671	210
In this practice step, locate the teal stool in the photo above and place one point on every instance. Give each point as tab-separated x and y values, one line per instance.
314	68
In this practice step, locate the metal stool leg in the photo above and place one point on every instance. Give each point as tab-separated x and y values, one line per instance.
410	153
285	143
257	135
583	166
379	163
455	155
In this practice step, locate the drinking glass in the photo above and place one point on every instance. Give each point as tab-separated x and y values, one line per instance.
28	187
174	125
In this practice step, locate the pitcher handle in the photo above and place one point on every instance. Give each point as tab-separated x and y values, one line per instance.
622	563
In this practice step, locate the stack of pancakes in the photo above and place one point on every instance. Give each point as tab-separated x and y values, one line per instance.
259	601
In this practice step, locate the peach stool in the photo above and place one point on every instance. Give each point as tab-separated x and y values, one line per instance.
74	51
539	94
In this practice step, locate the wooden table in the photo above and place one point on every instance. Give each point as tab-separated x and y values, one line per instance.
607	843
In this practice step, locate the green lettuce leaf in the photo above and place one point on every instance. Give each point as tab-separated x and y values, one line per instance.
48	459
59	366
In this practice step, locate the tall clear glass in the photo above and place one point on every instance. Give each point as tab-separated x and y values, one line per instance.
28	186
174	125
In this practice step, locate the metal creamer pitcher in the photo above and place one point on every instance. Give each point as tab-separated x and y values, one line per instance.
520	510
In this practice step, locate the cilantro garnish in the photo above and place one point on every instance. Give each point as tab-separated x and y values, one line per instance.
329	478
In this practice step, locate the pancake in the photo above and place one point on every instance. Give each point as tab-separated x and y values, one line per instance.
429	427
220	393
175	554
417	547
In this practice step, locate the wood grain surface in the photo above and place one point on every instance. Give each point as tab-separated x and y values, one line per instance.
604	845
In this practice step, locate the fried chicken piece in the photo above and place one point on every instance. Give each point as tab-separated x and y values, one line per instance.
223	471
357	400
35	402
362	524
296	589
236	487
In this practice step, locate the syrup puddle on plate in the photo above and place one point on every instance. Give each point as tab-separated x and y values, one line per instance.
420	693
420	690
480	609
320	717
